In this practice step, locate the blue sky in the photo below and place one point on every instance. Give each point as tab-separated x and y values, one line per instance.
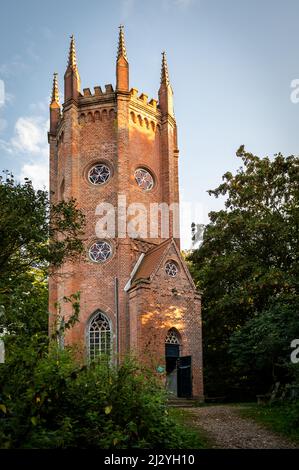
231	65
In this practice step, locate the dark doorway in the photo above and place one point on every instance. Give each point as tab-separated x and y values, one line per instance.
178	369
172	353
172	350
184	377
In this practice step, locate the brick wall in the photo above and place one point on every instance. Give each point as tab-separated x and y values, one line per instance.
155	308
126	132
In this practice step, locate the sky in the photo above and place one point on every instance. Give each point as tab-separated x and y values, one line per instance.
232	64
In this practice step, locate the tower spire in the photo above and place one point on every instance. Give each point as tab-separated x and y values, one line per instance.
164	71
122	63
71	76
72	62
165	90
54	105
55	91
121	52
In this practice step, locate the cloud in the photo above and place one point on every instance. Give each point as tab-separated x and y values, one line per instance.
38	173
30	141
30	136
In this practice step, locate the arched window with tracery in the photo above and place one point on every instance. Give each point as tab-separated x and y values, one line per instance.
172	337
99	336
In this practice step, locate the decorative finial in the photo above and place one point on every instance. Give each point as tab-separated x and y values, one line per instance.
72	54
164	70
121	52
55	91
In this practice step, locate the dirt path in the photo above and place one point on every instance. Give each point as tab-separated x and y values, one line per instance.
228	430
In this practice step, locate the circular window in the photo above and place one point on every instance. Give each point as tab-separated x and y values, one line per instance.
144	179
171	268
100	251
99	174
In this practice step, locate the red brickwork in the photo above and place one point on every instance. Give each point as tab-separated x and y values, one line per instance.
126	131
160	303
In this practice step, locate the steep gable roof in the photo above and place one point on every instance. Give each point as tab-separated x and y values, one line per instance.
153	259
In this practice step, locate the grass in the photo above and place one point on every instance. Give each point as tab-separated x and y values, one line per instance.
282	419
277	418
194	437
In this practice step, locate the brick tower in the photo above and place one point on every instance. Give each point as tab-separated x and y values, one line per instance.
115	147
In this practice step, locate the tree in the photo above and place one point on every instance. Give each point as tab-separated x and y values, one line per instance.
31	241
261	347
248	259
28	236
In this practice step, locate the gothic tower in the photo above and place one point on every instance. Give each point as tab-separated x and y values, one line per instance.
115	148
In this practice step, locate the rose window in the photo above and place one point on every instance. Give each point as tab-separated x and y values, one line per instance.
171	268
99	174
100	252
144	179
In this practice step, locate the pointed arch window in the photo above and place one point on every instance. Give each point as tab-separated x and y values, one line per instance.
99	336
172	337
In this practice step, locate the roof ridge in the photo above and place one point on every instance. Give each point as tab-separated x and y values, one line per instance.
151	250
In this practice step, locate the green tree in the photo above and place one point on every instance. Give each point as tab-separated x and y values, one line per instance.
29	237
248	260
261	347
30	241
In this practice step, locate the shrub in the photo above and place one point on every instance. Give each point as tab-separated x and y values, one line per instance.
55	402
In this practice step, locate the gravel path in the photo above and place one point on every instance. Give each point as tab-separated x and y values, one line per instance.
228	430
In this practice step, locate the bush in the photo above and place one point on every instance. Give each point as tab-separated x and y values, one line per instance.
54	402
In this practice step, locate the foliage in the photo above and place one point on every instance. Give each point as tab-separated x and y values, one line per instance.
33	235
262	345
51	401
29	237
247	264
